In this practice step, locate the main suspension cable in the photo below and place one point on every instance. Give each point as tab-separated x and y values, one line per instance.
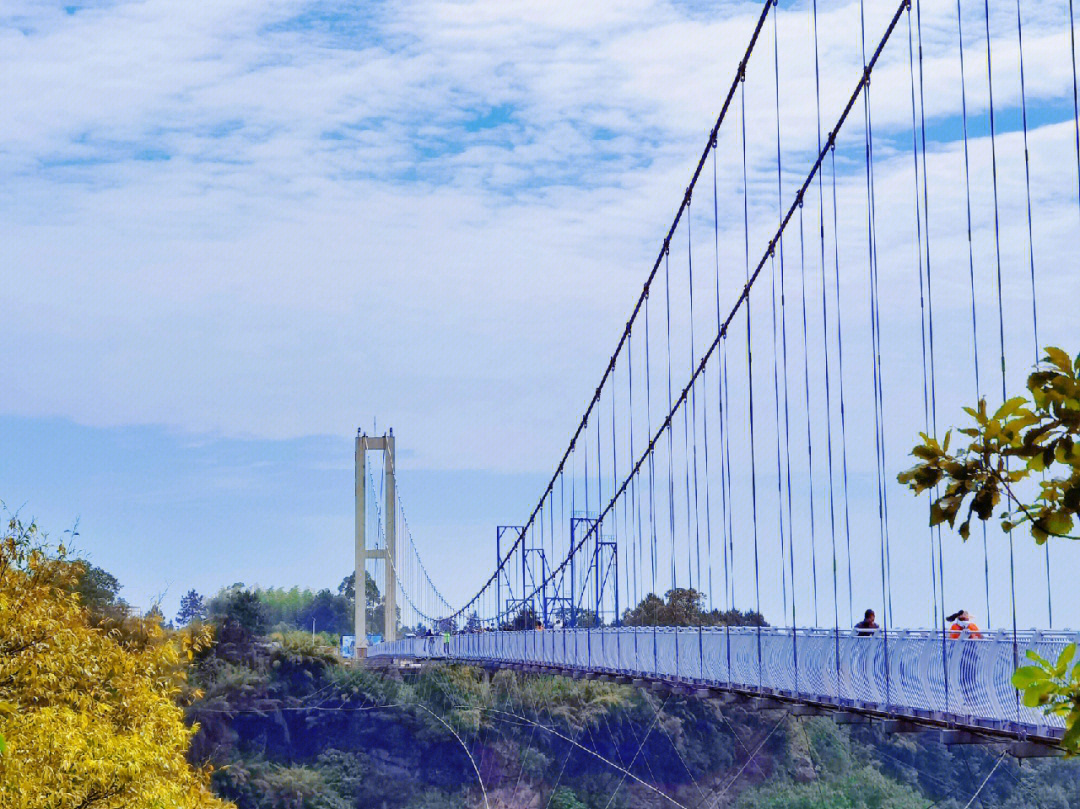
642	297
742	299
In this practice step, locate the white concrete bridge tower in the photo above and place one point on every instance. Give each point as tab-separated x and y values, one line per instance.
385	443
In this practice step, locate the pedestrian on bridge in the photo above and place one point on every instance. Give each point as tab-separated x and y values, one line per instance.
963	626
868	625
446	642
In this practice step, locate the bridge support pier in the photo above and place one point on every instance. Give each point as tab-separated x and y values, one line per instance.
904	726
851	719
809	710
767	704
951	737
1024	750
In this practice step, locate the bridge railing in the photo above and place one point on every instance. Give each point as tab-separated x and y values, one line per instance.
902	675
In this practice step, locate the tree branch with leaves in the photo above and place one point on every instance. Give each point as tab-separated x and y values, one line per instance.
1032	435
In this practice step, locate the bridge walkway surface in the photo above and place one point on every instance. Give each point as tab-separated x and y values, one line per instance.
926	679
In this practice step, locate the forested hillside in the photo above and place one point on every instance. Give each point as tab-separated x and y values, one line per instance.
281	722
288	725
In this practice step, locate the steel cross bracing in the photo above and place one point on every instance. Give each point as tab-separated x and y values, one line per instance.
601	572
561	599
980	700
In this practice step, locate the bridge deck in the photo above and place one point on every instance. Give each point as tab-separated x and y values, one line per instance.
921	675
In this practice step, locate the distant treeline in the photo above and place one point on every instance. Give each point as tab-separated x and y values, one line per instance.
262	611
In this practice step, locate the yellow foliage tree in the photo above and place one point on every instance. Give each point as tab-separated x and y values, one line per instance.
89	715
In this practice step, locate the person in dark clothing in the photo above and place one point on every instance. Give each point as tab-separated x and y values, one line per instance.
868	625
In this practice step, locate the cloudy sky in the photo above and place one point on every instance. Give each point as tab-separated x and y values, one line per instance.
234	233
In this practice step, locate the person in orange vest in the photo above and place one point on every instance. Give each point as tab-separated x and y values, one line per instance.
962	623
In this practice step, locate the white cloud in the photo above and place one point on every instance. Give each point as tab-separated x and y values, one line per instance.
327	240
287	218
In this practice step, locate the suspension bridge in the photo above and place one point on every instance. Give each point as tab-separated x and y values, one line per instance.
880	230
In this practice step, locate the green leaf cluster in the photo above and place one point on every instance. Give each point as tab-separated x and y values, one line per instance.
1027	436
685	606
1054	687
565	798
862	788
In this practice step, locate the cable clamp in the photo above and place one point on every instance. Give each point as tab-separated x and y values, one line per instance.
688	195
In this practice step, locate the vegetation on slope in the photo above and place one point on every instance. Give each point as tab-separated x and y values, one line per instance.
288	725
89	709
93	702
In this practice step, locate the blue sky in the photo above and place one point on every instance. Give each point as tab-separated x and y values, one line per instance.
166	511
237	235
233	235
